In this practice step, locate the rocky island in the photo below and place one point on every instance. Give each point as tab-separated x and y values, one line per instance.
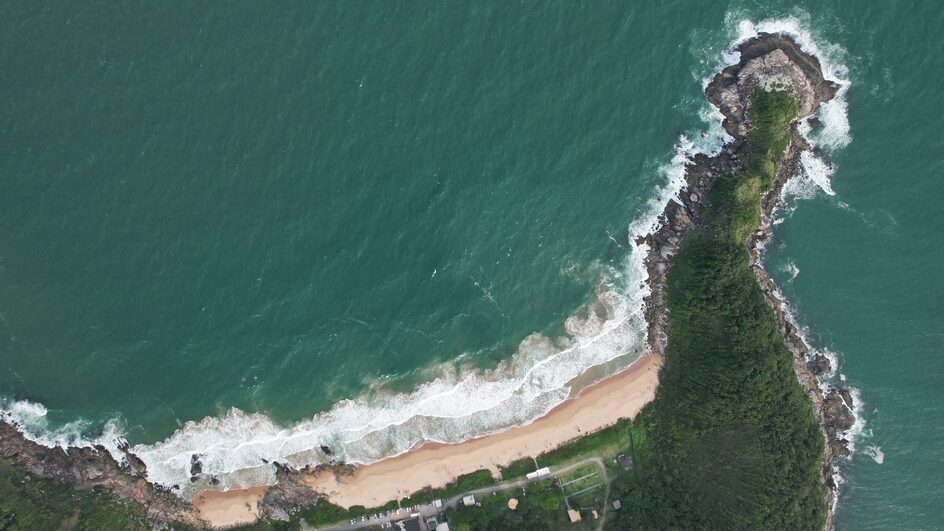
742	429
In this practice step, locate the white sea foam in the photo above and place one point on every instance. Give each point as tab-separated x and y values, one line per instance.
876	453
792	269
458	405
32	419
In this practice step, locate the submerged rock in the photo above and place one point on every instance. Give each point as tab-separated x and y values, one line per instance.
820	364
196	467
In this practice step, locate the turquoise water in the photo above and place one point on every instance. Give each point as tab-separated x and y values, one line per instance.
277	209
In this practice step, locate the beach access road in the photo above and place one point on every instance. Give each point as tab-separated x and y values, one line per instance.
428	510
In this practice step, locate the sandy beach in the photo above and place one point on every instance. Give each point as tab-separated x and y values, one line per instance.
434	465
234	507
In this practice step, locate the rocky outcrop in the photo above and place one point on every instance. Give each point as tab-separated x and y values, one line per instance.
291	491
769	62
91	467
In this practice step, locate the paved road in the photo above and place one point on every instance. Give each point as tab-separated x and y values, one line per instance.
425	511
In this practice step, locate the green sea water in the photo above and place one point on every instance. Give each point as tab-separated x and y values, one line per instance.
277	208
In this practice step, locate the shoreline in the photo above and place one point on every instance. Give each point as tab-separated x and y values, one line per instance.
595	407
434	465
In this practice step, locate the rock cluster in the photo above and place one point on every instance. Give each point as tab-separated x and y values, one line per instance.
291	490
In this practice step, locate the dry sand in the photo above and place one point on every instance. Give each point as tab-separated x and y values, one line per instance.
233	507
434	465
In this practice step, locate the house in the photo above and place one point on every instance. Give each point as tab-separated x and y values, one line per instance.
573	515
412	524
442	526
539	473
617	504
468	501
625	461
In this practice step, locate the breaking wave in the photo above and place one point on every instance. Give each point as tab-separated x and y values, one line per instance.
602	338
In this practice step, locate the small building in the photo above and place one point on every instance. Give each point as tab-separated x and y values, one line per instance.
442	526
512	503
468	501
573	515
617	504
541	472
625	461
437	504
412	524
594	514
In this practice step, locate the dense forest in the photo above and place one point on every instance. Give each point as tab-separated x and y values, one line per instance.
732	439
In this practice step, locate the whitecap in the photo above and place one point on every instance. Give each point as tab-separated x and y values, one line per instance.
32	419
791	268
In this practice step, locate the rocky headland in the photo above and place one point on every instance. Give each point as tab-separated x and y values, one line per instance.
767	62
94	467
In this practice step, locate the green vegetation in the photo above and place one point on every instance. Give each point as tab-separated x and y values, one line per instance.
732	442
580	479
517	469
321	513
464	483
325	513
31	502
540	506
608	441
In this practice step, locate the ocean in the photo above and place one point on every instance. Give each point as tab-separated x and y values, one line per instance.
247	230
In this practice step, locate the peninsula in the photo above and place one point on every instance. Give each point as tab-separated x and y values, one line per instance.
725	421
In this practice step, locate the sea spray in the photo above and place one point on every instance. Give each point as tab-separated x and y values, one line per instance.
31	418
